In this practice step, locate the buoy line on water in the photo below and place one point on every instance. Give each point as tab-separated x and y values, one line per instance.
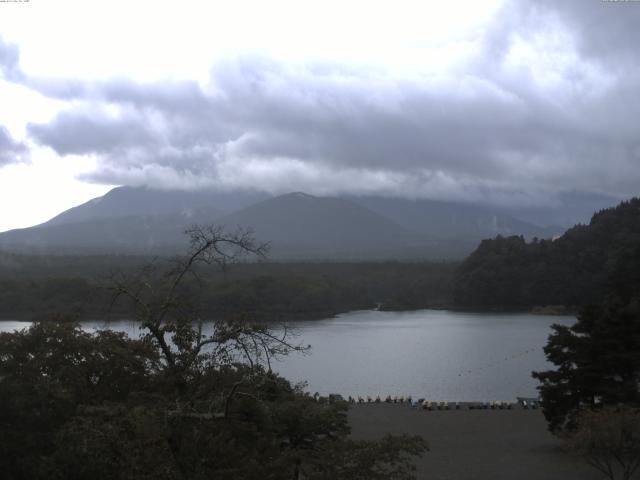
497	363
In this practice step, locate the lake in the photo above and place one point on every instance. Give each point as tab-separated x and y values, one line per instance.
436	354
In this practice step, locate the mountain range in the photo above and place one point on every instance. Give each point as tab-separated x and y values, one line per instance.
296	225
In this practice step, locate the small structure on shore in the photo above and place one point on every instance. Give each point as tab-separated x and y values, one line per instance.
529	402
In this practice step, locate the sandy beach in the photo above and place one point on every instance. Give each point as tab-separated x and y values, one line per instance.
475	444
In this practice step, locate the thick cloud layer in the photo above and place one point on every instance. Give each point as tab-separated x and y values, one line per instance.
547	103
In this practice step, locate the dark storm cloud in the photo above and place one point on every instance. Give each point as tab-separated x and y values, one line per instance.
542	107
11	151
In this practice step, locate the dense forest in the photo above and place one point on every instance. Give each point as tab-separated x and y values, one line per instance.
571	271
31	286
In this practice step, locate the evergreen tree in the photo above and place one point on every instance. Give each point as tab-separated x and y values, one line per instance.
598	358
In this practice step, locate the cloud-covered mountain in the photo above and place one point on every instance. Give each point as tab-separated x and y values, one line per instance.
143	234
297	225
452	220
143	201
569	209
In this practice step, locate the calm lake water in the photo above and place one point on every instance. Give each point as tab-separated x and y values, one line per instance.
440	355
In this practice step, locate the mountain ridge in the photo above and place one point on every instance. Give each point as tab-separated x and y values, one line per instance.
299	225
141	201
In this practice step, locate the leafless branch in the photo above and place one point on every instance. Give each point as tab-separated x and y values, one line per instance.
162	310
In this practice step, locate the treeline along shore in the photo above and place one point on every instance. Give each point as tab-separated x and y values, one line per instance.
31	286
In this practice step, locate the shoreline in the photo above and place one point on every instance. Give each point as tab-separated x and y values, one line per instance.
272	317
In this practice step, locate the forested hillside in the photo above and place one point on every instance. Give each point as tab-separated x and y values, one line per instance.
32	286
573	270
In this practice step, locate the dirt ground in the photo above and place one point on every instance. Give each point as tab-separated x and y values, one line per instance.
475	444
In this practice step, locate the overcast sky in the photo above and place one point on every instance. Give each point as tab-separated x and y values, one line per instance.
482	101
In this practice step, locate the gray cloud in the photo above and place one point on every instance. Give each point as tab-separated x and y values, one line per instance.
11	151
92	131
543	107
10	61
605	30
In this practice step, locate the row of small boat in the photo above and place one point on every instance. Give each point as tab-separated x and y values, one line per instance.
387	399
437	405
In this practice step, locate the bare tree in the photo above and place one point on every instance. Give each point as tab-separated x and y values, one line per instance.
609	440
165	304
